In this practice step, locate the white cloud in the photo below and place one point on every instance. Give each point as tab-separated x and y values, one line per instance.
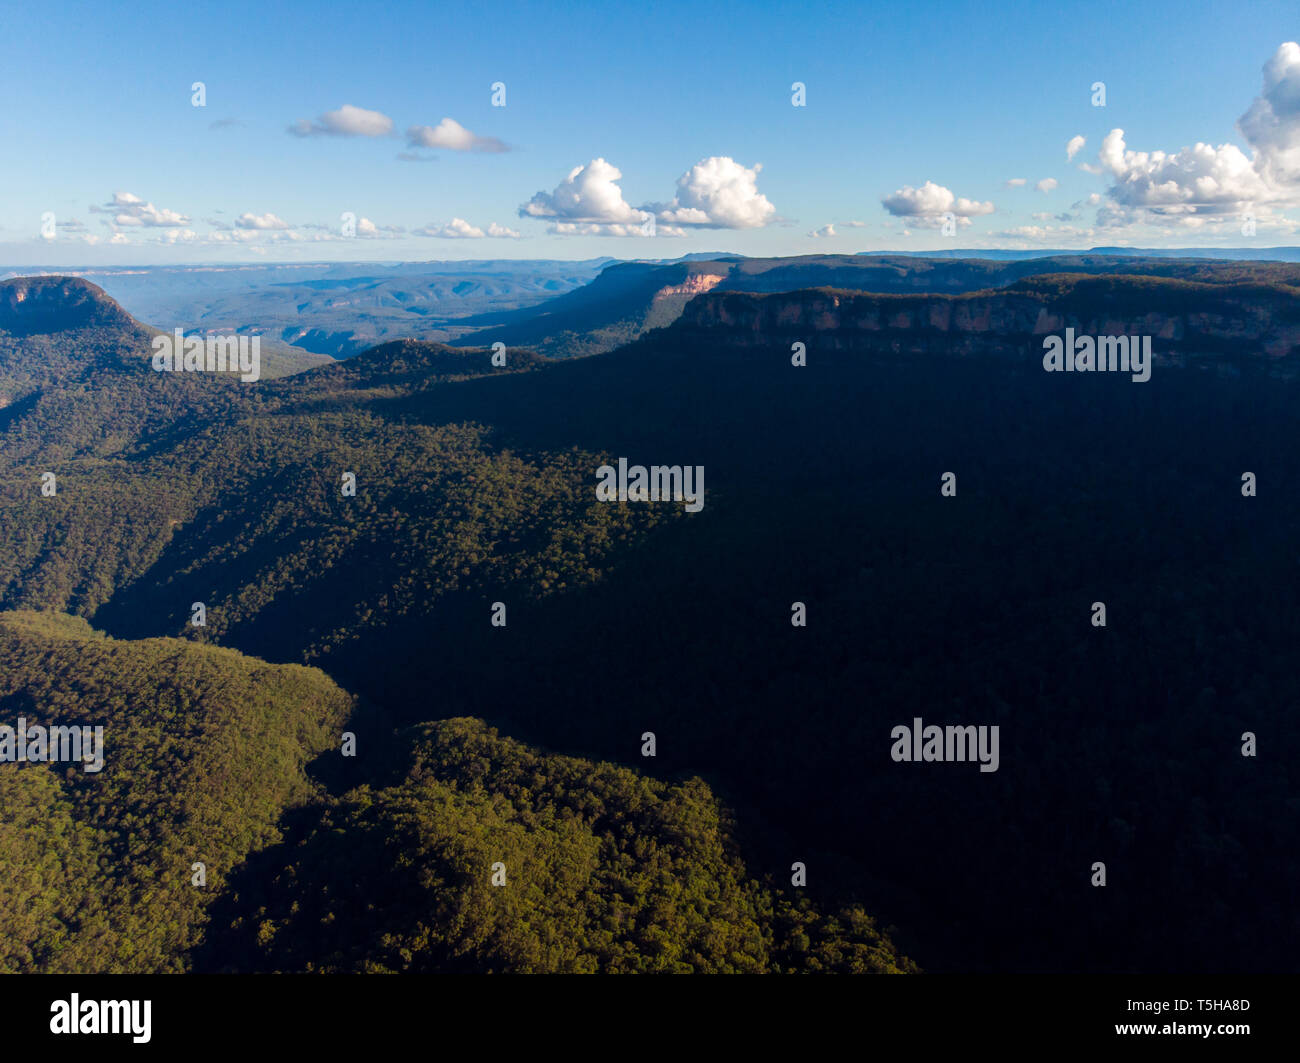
1015	182
1047	184
1041	235
236	236
1198	180
571	228
1203	183
1272	122
260	221
368	230
452	136
347	121
927	205
1073	146
715	193
460	229
586	201
831	229
456	229
130	210
718	193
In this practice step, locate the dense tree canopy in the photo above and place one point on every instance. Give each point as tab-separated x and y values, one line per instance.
475	486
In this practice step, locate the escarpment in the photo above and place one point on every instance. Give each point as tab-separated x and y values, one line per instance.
1223	327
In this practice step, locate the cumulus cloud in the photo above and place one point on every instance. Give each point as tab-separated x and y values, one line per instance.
456	229
1272	122
926	206
368	230
588	201
1047	184
1015	182
718	193
452	136
260	221
825	230
347	121
1201	179
715	193
460	229
130	210
1073	146
1204	183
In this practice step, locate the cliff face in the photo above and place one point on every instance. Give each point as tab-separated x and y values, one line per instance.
692	285
1228	327
30	305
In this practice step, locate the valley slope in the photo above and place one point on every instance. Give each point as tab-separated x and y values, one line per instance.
218	759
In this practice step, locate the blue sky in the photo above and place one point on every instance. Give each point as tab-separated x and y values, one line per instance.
916	118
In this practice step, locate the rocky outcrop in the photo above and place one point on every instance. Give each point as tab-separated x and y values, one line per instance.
1225	326
32	305
695	284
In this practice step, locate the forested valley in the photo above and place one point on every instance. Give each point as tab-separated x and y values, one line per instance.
521	743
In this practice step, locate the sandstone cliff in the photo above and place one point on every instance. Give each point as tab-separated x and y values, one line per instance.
1227	327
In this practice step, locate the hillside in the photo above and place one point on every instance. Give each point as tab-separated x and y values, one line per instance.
601	869
204	752
38	316
204	762
620	304
442	516
52	304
